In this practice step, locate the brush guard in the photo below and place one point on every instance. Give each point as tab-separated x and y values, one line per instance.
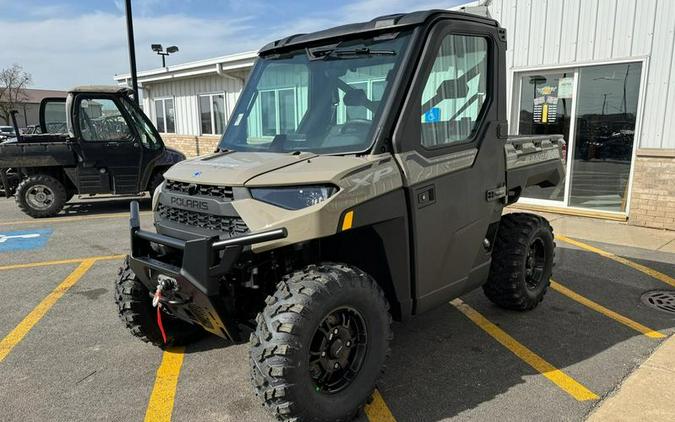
195	296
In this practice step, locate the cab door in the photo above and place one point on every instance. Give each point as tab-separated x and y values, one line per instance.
452	158
110	149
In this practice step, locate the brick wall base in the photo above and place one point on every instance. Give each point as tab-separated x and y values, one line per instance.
653	196
191	146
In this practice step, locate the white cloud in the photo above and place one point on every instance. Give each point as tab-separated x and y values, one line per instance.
68	50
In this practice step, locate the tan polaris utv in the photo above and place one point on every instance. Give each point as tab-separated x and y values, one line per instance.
361	179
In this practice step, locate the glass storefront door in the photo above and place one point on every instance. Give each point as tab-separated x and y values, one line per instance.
595	109
545	109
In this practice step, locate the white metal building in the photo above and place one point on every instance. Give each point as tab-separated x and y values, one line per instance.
598	71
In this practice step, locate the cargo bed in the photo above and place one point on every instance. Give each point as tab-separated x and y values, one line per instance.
533	160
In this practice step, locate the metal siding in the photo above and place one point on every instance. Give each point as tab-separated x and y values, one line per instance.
185	93
539	28
522	33
588	31
508	13
604	31
643	32
624	28
659	78
554	29
569	36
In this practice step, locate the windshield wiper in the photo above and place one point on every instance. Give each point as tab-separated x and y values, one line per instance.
350	52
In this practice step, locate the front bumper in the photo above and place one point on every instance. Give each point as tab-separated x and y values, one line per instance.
197	266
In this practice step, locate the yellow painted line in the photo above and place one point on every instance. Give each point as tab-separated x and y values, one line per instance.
555	375
66	219
60	262
607	312
20	331
639	267
377	410
348	220
160	406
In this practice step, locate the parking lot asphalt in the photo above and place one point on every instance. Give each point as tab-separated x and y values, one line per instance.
64	354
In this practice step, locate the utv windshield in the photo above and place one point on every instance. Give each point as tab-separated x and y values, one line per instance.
326	99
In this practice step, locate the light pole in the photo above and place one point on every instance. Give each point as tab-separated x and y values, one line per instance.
132	50
157	48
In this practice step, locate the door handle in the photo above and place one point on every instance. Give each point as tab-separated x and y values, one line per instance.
425	196
112	144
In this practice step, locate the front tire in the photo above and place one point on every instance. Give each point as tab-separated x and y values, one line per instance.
320	344
136	311
522	262
41	196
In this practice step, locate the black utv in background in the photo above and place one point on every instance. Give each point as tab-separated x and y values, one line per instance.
97	140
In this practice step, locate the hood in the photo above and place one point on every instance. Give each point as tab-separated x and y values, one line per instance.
232	168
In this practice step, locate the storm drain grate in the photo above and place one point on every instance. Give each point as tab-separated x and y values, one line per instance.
662	300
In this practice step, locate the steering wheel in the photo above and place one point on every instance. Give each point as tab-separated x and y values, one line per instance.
355	125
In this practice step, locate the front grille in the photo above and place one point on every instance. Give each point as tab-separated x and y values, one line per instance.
222	192
232	226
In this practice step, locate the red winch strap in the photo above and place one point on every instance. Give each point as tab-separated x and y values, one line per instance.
159	322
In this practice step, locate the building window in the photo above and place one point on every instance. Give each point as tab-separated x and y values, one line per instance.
455	91
212	113
277	109
165	120
372	89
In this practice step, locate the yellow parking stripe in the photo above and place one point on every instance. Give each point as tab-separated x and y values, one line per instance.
646	270
607	312
558	377
160	406
377	410
20	331
60	262
50	220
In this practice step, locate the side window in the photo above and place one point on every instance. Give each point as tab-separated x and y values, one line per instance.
101	120
55	117
455	91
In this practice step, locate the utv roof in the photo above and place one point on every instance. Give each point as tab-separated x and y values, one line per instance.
385	23
102	89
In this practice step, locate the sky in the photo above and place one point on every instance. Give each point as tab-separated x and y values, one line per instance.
67	43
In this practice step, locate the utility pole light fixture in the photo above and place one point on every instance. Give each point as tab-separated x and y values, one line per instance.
157	48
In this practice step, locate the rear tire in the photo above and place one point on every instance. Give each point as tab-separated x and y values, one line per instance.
522	262
135	309
323	316
41	196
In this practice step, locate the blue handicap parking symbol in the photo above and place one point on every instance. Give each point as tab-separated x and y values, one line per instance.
24	239
433	115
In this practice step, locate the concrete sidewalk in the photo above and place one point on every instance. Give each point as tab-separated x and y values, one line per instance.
648	394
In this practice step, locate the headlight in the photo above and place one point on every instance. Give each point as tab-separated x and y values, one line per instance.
294	198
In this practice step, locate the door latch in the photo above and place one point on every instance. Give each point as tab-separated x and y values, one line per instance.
495	194
425	196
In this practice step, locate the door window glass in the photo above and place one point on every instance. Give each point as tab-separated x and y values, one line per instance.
101	120
603	143
545	109
149	139
455	90
55	117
